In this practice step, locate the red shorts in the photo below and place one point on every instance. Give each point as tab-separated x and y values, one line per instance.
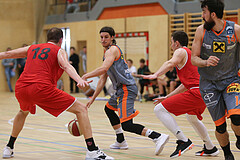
47	97
187	102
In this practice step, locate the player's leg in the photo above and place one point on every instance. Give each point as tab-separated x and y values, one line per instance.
216	107
183	143
159	139
236	128
18	124
81	112
209	149
232	99
110	109
127	112
115	122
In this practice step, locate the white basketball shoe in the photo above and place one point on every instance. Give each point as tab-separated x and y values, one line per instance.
117	145
7	152
160	143
97	155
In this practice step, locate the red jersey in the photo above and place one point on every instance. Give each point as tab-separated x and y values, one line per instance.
188	74
42	65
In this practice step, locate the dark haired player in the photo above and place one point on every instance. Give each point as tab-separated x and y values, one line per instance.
115	66
185	99
215	53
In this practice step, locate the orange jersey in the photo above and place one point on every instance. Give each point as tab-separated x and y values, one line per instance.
42	65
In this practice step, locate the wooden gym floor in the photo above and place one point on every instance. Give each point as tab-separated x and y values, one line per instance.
46	137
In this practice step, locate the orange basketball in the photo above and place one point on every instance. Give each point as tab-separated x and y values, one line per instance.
73	128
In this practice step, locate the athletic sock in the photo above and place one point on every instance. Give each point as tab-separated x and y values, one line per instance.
169	122
11	142
226	149
119	134
90	144
152	134
201	130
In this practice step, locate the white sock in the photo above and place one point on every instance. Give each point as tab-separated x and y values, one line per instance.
201	130
119	130
169	122
148	132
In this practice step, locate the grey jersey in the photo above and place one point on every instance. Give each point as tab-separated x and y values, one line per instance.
119	72
224	46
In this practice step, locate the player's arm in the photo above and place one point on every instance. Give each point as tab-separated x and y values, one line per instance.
237	31
196	49
100	85
69	69
177	58
181	88
110	55
16	53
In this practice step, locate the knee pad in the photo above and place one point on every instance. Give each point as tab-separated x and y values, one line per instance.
159	108
235	120
131	127
222	128
112	116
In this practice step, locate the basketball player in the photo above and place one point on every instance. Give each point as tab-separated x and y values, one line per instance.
37	86
215	48
122	101
184	99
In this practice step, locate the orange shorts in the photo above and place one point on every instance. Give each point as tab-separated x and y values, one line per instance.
47	97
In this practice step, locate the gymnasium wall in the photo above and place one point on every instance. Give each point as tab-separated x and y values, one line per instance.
17	27
88	31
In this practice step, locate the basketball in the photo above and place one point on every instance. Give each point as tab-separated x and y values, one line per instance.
73	128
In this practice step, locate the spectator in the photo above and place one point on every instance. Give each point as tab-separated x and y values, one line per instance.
83	54
133	71
21	63
10	67
131	68
72	6
74	61
172	81
143	70
60	84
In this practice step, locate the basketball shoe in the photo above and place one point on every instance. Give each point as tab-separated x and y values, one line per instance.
7	152
206	152
97	155
181	148
160	143
117	145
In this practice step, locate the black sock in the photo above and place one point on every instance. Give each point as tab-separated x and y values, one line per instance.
120	137
90	144
154	135
226	149
11	142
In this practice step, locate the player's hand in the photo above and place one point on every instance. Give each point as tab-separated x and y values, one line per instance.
84	77
159	100
82	84
90	102
212	61
153	76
